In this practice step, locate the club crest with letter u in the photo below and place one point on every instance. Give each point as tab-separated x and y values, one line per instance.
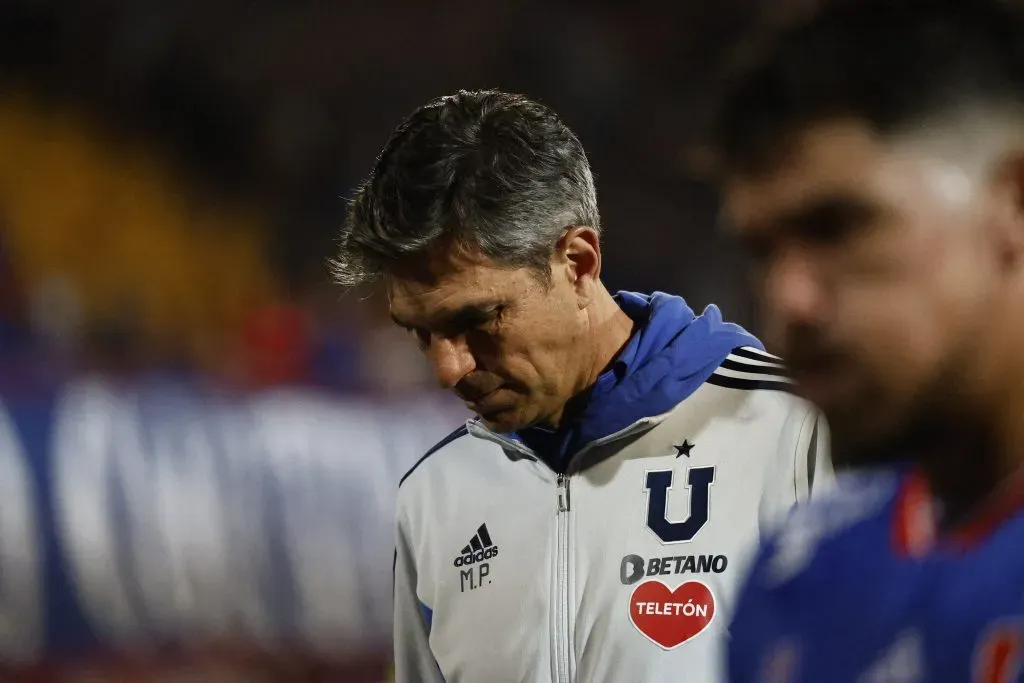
658	484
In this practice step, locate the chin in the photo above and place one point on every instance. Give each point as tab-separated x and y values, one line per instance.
867	440
851	455
502	422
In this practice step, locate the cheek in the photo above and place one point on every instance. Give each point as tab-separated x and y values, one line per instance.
527	346
892	329
904	320
541	350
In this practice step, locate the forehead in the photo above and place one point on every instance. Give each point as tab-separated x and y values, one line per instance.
825	159
843	161
444	284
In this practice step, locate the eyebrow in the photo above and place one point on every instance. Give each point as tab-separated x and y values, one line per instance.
833	211
462	317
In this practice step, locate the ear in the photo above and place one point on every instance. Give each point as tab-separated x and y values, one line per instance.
580	249
1008	197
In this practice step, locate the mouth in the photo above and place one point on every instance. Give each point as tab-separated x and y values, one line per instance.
488	402
827	384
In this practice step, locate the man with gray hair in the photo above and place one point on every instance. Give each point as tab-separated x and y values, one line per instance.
591	522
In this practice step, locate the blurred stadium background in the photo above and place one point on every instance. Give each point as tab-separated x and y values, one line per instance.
200	437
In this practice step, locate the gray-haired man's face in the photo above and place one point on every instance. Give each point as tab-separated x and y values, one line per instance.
502	340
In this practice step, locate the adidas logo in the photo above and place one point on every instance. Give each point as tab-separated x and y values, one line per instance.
479	548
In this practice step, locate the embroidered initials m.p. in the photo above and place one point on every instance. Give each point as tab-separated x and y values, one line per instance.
658	484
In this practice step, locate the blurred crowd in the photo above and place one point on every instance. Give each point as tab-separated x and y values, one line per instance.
172	174
111	262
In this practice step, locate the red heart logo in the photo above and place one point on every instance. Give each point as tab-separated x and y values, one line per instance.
668	617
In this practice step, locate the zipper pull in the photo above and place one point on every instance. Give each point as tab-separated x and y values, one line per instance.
563	493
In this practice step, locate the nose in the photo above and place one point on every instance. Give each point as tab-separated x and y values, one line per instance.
452	360
794	291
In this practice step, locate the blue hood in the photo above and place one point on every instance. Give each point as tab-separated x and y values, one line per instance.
671	353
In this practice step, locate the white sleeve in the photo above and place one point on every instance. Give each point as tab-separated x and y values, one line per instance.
414	661
804	469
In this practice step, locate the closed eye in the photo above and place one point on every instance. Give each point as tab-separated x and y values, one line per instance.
828	222
473	319
832	220
465	321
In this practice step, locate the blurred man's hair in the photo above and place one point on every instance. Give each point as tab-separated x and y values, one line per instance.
891	64
486	171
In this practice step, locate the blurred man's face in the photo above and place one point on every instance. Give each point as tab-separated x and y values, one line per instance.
501	339
875	273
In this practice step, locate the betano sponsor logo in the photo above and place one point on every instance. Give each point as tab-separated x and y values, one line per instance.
633	567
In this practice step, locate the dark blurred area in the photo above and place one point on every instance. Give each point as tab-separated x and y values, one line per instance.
200	436
173	173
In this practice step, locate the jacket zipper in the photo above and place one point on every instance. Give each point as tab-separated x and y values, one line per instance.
563	630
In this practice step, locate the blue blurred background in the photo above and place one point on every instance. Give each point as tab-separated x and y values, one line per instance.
201	437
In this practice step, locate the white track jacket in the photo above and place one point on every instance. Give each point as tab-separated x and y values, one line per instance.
622	565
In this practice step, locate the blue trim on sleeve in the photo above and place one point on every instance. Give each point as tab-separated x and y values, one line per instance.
428	615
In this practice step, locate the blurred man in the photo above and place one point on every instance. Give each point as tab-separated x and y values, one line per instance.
591	521
874	164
